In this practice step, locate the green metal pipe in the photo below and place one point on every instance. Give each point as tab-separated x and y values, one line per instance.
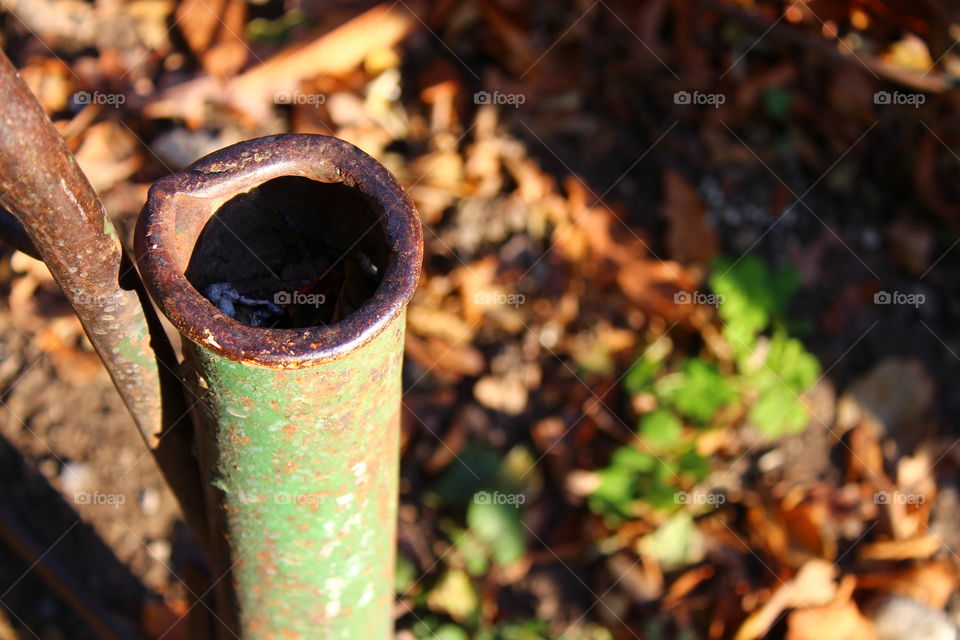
287	263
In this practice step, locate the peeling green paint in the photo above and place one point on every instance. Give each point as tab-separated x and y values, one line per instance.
305	462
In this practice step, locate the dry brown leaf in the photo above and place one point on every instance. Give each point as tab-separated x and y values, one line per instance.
51	81
910	53
453	442
228	52
439	173
440	358
911	549
198	21
334	52
253	92
767	528
108	155
507	394
653	285
689	237
73	21
512	35
865	459
213	30
74	365
805	524
617	255
476	287
6	629
641	577
914	477
160	620
813	586
687	582
836	622
932	583
443	324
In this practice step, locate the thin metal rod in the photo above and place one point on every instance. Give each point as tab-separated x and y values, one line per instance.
42	186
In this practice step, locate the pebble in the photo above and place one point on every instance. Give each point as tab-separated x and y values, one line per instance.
74	477
900	618
149	501
159	550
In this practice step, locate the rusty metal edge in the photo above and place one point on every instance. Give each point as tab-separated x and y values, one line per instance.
237	169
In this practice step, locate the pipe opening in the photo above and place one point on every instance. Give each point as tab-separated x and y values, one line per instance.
277	216
291	253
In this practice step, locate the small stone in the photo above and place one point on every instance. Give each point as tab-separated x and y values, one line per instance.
159	550
74	477
505	395
900	618
149	501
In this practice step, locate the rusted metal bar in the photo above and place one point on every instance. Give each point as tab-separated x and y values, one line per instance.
287	263
42	186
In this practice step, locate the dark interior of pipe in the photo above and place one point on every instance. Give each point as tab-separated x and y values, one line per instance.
291	253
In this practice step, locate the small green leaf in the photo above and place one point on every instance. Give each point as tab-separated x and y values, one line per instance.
406	573
642	372
616	493
661	429
694	465
499	526
460	481
779	411
792	363
675	543
751	295
702	391
473	551
631	458
659	491
776	102
454	594
446	632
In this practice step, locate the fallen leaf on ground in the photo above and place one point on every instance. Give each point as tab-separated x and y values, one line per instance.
689	237
812	586
836	622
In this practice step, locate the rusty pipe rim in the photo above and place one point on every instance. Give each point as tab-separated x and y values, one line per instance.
179	205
